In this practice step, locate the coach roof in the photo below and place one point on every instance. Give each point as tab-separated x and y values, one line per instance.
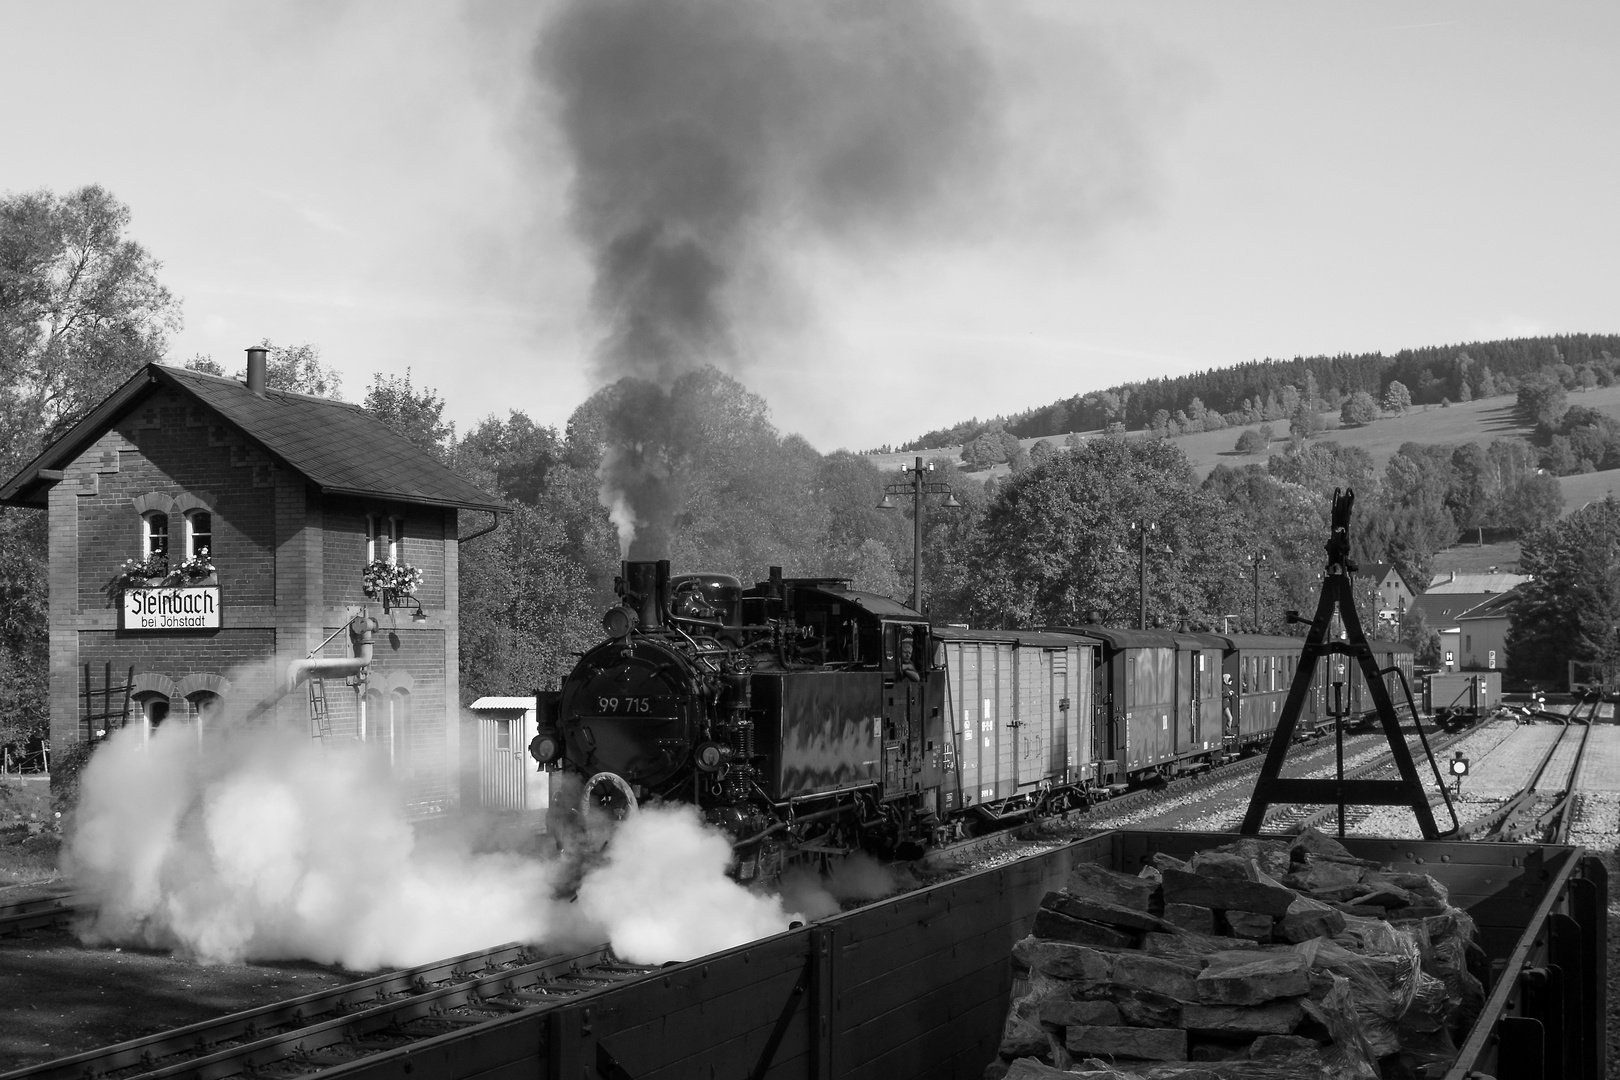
337	446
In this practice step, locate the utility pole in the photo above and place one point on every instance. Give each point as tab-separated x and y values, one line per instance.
917	487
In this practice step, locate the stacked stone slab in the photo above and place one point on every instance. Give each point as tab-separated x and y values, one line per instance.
1264	958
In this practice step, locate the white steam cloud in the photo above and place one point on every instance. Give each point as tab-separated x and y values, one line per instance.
256	843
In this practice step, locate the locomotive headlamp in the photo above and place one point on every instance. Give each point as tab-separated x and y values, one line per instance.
618	622
712	756
545	747
1459	765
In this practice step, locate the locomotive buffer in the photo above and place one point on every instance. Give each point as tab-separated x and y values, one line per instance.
1408	790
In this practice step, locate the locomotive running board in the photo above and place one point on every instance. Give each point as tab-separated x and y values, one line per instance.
1272	788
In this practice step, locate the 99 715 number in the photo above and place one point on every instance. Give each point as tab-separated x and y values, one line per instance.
624	705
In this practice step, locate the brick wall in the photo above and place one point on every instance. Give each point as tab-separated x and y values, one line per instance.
170	448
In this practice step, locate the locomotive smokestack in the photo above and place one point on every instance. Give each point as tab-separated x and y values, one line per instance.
257	369
646	589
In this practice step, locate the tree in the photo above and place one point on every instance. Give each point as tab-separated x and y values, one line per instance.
298	368
1397	398
1542	400
204	363
1358	409
1570	609
81	309
1250	443
418	415
1056	541
1413	630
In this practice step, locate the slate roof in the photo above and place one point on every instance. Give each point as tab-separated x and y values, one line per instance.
338	446
1475	583
1499	606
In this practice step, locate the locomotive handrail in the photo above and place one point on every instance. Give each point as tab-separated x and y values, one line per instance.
1417	722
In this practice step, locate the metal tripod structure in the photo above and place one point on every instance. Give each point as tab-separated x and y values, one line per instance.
1272	788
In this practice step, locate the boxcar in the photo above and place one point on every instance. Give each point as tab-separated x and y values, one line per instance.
1018	707
1134	700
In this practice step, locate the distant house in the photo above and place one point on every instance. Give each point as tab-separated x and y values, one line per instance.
1451	594
1394	595
1483	630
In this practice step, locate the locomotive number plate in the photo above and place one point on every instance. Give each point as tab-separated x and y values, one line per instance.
634	705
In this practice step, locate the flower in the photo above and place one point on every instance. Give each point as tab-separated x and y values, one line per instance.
137	571
382	576
196	568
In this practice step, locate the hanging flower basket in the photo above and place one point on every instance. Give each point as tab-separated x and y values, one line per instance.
197	570
383	580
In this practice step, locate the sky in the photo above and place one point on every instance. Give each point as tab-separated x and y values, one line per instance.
1167	187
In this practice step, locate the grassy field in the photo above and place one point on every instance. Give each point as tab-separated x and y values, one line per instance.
1479	421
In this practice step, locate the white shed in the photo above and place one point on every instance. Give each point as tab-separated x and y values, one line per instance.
506	778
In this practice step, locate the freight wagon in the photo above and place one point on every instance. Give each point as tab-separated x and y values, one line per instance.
917	986
1018	714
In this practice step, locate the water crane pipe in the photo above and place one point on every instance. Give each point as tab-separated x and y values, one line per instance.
362	629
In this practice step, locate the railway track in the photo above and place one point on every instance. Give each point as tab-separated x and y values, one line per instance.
324	1031
1542	811
1295	818
40	912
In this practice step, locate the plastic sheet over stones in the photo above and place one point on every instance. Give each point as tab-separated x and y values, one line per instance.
1340	965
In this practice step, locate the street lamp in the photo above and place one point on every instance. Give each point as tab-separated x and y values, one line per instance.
1141	527
917	487
1256	561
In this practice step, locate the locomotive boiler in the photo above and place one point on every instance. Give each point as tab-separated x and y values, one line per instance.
798	715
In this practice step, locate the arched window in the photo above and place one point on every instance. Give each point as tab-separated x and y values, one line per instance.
199	533
153	711
155	534
385	538
207	707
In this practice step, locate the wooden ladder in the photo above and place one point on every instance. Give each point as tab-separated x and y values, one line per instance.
320	722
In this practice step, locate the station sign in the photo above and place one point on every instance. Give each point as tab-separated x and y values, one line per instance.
178	608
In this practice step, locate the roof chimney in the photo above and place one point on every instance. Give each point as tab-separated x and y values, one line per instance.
256	370
1453	573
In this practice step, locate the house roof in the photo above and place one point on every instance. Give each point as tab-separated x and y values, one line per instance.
1443	608
338	446
1475	583
504	703
1499	606
1378	571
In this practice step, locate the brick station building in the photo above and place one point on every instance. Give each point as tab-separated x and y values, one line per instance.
291	496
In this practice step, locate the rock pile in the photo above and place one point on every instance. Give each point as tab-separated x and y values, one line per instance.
1267	958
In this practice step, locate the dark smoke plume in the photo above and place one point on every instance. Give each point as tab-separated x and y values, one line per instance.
709	136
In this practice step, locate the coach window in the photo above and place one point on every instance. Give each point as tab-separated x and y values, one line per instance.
199	533
155	535
1130	682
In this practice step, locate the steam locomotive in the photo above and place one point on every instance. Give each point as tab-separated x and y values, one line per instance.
804	717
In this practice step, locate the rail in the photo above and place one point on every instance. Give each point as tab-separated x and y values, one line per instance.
332	1027
1527	814
39	912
